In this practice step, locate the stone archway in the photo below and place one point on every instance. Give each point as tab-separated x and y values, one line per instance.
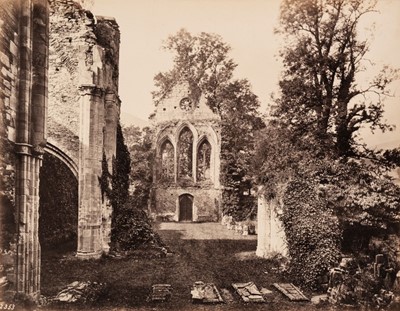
58	205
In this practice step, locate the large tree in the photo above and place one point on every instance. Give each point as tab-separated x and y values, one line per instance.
203	61
322	59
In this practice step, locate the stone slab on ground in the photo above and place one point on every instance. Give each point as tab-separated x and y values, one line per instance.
205	293
248	292
290	291
161	292
79	292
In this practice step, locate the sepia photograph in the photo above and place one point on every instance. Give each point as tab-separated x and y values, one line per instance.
214	155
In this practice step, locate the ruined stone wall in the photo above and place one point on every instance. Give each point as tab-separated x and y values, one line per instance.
205	203
84	108
179	111
84	50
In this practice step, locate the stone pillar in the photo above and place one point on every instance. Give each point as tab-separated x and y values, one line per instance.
90	160
270	234
30	141
27	204
112	110
262	223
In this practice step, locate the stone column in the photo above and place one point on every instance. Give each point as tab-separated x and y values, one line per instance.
90	160
30	141
111	117
271	238
262	223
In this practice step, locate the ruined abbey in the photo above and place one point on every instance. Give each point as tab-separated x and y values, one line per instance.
59	102
186	184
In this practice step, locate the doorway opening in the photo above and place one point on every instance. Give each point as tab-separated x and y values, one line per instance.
186	207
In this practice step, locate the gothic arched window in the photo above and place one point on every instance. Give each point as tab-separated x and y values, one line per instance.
203	161
167	161
185	153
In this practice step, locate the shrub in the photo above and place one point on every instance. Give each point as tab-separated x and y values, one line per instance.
312	232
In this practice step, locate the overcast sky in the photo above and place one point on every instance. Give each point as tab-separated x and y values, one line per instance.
246	25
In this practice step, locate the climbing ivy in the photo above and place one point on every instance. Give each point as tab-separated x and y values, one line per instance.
312	232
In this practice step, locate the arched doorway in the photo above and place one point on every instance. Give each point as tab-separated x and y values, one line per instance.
186	207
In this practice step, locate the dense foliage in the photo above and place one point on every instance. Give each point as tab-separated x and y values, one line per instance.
133	228
203	62
313	245
311	148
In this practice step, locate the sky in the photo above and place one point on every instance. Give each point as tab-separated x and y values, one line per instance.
248	27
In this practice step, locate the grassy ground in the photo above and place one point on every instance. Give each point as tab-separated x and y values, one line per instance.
128	281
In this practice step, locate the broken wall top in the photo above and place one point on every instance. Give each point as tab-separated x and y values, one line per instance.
179	104
84	50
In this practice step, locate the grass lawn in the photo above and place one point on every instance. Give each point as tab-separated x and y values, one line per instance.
128	281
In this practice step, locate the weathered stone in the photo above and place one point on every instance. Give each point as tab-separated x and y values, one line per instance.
270	234
319	299
290	291
248	292
161	292
205	293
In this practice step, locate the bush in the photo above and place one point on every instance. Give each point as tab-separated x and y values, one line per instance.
133	228
312	232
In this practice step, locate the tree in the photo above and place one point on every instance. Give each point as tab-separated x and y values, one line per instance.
139	144
200	60
204	63
322	59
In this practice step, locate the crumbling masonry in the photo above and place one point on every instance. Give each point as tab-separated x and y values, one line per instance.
58	94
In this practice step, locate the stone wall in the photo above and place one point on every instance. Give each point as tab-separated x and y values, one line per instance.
206	203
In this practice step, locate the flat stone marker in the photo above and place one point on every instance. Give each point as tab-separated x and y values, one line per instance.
205	293
290	291
248	292
161	292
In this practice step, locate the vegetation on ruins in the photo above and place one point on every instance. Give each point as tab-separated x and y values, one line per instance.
310	155
131	227
203	61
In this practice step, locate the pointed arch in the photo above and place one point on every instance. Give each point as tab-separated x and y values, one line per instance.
204	153
185	154
166	155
